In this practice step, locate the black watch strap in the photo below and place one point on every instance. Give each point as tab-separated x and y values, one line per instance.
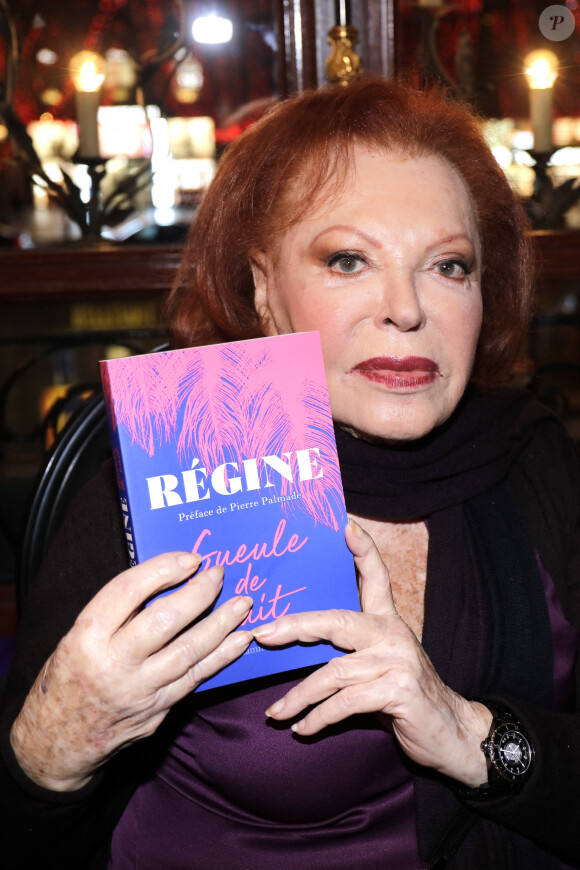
509	755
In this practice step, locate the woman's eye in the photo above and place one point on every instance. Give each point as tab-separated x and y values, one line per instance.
346	264
453	268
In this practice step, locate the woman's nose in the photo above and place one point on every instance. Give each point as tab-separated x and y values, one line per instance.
400	305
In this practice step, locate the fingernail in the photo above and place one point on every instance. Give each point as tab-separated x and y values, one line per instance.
243	605
189	561
355	527
263	631
297	727
275	708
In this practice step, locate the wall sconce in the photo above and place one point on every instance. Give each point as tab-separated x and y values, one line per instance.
541	70
548	203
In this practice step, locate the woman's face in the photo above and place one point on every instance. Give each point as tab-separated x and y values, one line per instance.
388	272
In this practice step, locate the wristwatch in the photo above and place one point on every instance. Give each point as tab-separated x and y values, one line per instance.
509	754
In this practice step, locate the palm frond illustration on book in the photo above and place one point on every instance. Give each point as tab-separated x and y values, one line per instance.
228	450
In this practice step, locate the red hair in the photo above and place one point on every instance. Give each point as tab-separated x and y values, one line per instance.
274	173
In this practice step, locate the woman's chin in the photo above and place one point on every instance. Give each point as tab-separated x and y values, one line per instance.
387	434
395	421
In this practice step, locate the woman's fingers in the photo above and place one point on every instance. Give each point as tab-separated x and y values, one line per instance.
376	678
344	686
381	646
154	626
377	636
356	698
345	629
114	676
213	642
230	649
159	627
374	584
125	594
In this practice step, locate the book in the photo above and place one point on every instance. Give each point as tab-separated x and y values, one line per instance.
228	450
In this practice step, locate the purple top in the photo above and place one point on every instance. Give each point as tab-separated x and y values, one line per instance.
236	784
564	645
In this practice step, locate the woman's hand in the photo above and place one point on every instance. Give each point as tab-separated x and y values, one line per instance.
388	673
116	674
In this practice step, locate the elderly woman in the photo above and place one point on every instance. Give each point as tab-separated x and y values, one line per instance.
447	736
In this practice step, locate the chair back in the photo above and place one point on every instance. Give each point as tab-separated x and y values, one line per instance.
79	452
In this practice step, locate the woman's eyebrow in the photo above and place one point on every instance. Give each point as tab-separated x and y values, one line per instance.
376	243
371	240
453	237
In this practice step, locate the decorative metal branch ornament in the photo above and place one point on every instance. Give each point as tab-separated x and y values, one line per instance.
93	215
549	202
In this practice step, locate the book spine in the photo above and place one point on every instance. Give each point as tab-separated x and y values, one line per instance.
122	486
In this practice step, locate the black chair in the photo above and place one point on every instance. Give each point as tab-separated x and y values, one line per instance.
77	455
79	452
27	427
94	342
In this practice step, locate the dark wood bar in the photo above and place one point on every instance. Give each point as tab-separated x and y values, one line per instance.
558	254
77	272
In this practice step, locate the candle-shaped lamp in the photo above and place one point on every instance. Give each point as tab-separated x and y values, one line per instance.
87	70
541	72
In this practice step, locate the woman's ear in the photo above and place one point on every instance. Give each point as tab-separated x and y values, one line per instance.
258	265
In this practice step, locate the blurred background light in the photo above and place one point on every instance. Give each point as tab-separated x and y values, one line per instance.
212	29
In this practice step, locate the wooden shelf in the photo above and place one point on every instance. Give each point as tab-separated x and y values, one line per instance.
558	254
82	272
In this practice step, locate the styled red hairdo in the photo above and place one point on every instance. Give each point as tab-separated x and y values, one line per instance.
273	174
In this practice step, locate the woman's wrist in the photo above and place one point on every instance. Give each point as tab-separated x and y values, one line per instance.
38	748
468	764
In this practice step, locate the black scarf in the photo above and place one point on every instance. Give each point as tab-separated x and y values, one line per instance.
486	624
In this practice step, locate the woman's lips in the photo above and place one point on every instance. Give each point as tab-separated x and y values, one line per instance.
405	372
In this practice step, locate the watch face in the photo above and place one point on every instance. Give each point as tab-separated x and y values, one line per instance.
512	750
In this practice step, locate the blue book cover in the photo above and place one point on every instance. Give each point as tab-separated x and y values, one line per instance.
228	450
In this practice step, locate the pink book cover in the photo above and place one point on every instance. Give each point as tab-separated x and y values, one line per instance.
228	450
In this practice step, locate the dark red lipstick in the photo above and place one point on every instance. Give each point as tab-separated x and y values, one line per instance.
399	372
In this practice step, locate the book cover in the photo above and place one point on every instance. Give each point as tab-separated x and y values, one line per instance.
228	450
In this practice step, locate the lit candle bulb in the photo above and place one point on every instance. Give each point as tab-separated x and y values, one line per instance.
541	72
88	77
